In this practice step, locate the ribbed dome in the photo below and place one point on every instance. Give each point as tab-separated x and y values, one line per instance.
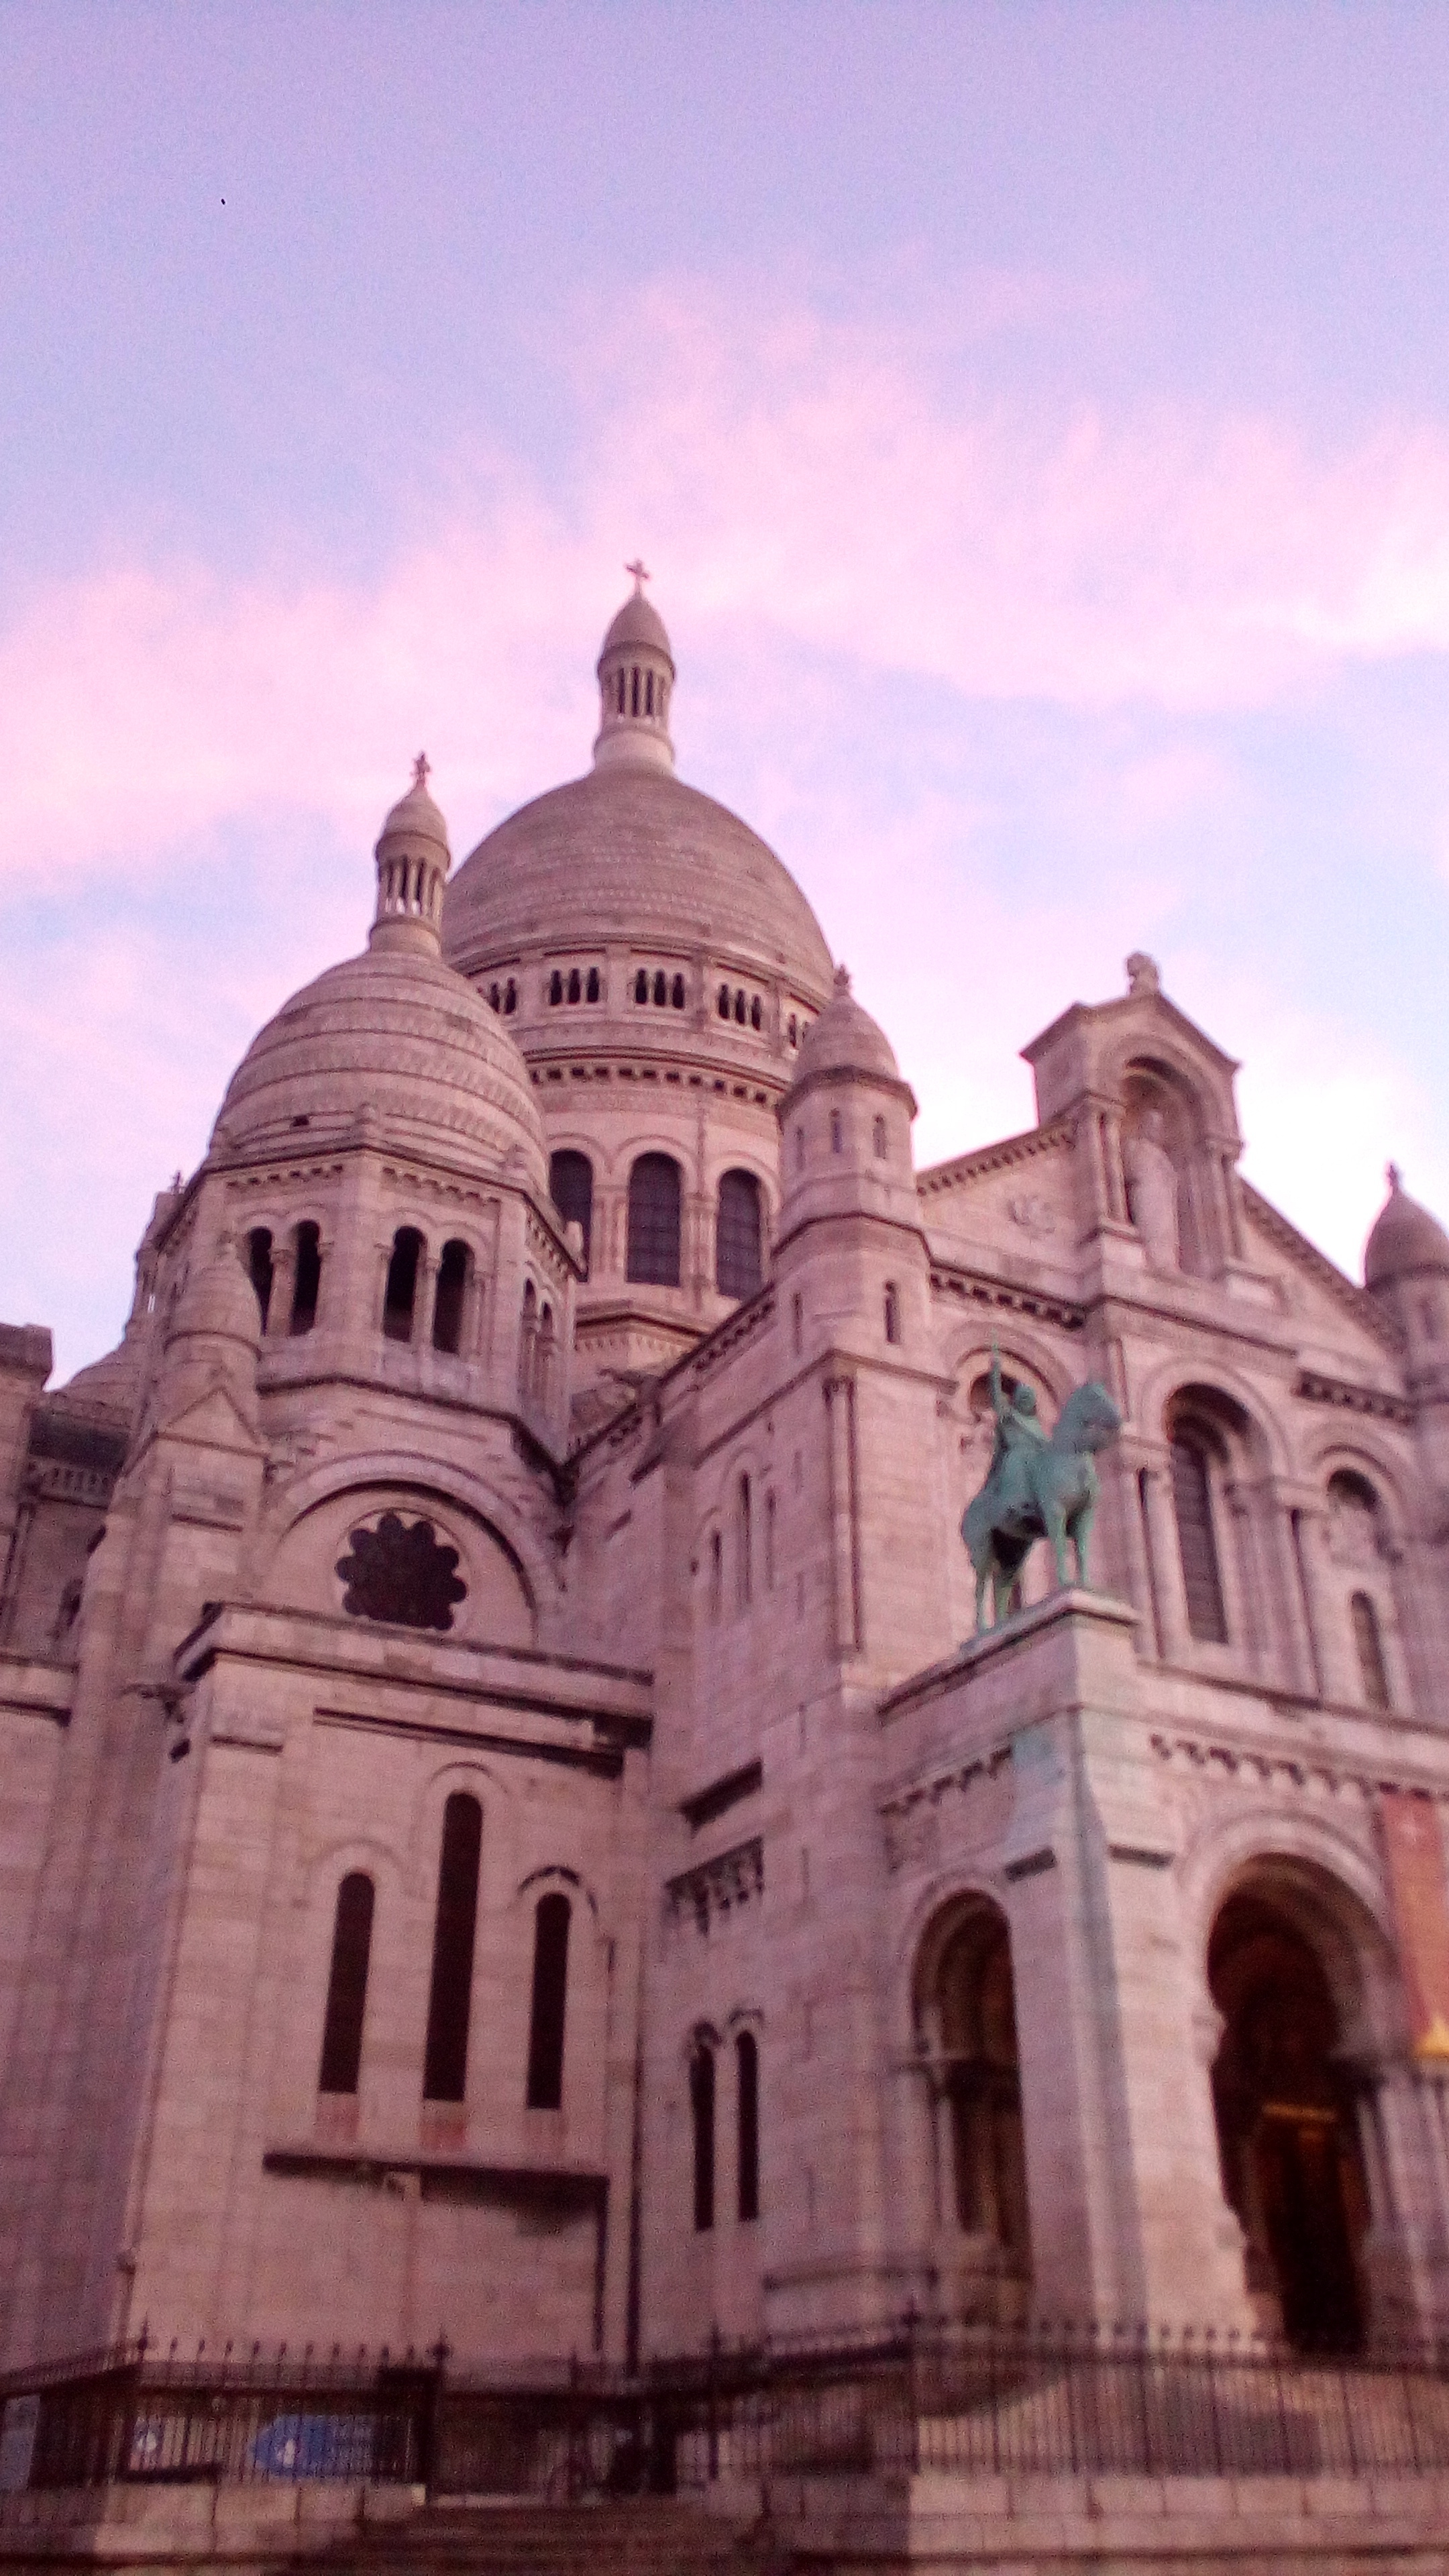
397	1033
631	853
1405	1242
845	1039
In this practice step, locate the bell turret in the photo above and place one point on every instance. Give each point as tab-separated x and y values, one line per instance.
636	682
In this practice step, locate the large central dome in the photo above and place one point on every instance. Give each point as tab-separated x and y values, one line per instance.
659	970
633	854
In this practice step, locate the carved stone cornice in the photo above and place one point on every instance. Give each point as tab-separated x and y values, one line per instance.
716	1889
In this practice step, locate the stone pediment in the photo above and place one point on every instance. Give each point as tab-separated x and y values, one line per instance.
1326	1302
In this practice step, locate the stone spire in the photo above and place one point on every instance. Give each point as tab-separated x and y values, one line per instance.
636	681
413	860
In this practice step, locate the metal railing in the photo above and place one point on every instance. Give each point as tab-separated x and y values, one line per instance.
1049	2401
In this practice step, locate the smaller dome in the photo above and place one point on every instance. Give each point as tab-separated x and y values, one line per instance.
845	1039
1405	1241
638	622
219	1302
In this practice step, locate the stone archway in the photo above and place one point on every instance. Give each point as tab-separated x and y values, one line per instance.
1285	2118
965	2010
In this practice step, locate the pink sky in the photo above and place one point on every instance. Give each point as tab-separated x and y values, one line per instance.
1053	568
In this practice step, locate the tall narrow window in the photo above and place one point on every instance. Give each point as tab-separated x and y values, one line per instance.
307	1286
402	1285
593	987
892	1313
448	1300
716	1574
550	1991
769	1542
737	1235
747	2108
837	1132
576	987
676	994
571	1188
661	988
347	1986
1373	1678
745	1576
445	2063
701	2110
878	1137
259	1268
1192	1500
527	1338
654	1195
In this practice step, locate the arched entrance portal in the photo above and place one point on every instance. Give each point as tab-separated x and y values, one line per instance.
1286	2134
966	2027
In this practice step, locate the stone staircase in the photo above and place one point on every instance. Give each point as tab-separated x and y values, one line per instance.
648	2537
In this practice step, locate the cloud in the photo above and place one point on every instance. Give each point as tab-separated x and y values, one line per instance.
861	546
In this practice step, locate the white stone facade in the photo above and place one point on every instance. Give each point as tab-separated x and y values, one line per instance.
437	1573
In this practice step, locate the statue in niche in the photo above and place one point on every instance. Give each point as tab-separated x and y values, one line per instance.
1151	1178
400	1574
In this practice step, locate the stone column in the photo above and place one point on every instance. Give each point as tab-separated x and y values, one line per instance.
1294	1652
284	1289
1248	1571
1111	1133
1338	1678
1168	1586
425	1290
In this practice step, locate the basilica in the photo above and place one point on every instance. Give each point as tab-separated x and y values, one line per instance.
511	1832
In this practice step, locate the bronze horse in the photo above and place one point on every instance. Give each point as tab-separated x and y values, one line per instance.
1060	1486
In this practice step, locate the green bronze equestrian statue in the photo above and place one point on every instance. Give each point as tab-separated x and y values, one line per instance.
1036	1487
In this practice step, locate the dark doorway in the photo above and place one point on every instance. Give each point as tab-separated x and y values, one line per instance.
1286	2134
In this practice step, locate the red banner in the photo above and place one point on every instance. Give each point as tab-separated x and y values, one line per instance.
1415	1851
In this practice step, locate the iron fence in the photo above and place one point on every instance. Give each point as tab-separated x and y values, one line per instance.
1048	2401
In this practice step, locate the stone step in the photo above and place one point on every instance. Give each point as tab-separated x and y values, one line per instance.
653	2537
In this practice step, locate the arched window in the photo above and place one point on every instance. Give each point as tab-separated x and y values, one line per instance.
259	1268
661	989
307	1284
701	2111
1373	1677
791	1031
757	1013
966	2014
555	986
741	1009
716	1575
571	1188
722	1004
510	999
1197	1543
654	1221
495	997
544	1353
550	1991
449	1298
737	1233
402	1284
769	1542
878	1138
641	985
347	1986
594	988
747	2112
892	1312
576	985
527	1337
445	2063
746	1567
837	1132
676	993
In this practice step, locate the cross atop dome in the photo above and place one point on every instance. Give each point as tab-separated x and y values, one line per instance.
641	573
